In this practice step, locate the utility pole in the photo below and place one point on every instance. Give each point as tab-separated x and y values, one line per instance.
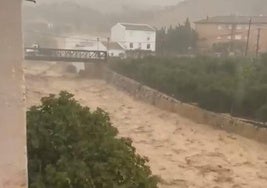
108	42
258	42
97	43
248	36
162	44
233	28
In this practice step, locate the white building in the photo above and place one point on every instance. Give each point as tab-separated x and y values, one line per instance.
134	36
93	44
83	42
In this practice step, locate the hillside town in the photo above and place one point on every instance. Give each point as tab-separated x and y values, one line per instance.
219	35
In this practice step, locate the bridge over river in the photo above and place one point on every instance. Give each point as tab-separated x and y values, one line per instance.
65	55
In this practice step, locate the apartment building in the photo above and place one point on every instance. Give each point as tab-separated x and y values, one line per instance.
233	29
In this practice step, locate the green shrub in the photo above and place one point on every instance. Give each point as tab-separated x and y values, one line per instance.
70	146
227	85
261	113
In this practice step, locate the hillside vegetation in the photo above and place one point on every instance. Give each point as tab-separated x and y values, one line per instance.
226	85
70	146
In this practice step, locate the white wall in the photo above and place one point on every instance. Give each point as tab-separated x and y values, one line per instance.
140	40
118	33
116	53
98	46
85	42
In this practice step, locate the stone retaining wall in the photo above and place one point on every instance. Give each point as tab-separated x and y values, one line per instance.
196	114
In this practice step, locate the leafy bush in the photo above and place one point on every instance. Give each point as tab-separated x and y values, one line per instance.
224	48
70	146
226	85
261	113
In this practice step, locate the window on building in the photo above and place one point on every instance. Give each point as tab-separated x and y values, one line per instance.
238	37
148	46
239	27
219	27
131	45
219	38
140	45
229	26
229	37
148	38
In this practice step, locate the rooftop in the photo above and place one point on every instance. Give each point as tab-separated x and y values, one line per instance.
113	45
139	27
233	20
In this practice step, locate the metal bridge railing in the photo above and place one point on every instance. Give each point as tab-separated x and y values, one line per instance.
50	54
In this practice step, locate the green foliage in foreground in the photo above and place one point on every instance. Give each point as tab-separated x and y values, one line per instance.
70	146
226	85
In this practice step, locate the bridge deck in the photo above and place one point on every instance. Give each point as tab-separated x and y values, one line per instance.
67	55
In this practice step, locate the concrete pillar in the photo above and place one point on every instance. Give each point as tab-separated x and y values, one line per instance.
13	160
94	70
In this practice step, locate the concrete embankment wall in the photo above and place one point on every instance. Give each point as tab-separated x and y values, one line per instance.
196	114
13	157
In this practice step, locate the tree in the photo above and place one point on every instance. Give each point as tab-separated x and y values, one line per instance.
177	40
70	146
187	25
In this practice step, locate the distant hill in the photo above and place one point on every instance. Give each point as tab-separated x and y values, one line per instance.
90	15
81	17
108	6
198	9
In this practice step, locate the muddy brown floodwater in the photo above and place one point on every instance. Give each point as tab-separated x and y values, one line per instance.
184	154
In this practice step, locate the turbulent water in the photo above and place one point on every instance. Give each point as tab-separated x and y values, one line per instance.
184	154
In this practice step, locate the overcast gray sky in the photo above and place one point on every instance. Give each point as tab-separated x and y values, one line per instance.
152	2
116	5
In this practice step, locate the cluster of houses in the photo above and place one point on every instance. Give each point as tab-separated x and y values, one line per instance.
241	34
244	33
